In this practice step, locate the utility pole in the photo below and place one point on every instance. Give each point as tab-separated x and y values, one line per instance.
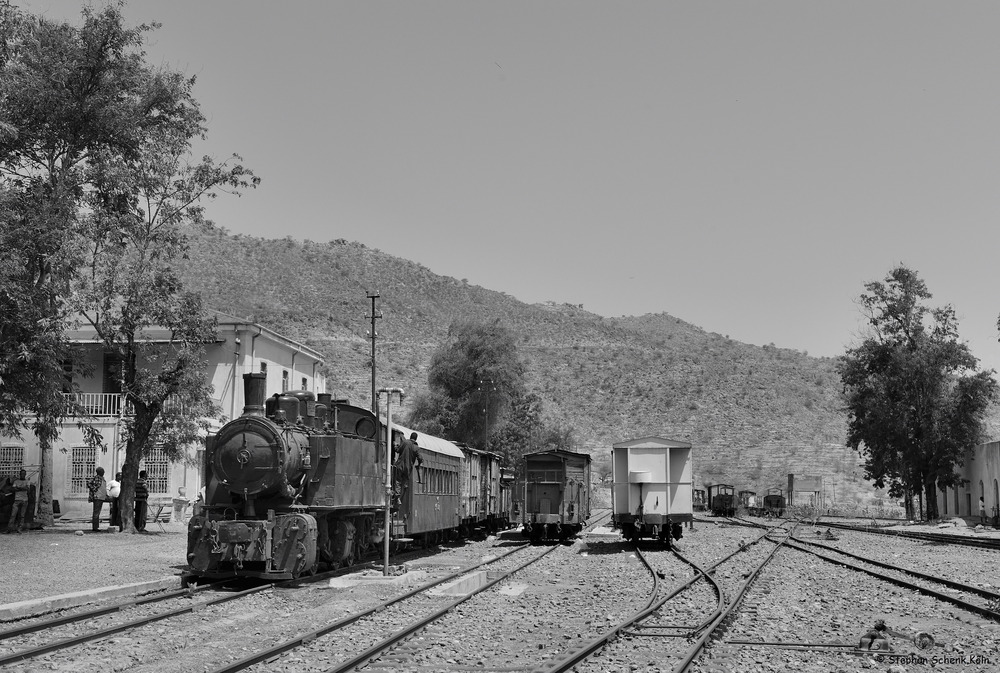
389	392
376	315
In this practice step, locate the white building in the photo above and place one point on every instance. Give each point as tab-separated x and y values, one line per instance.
240	347
982	472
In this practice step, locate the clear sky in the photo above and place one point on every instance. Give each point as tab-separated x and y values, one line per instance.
743	166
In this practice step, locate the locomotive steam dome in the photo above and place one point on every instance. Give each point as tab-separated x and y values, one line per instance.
252	457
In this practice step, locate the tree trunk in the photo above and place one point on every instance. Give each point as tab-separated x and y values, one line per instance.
130	474
145	415
45	516
930	493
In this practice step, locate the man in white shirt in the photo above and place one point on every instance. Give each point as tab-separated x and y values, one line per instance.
114	491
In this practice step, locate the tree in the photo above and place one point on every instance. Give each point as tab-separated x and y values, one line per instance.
58	102
96	144
915	401
521	431
473	380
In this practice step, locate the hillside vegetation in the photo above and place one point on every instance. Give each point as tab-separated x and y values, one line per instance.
754	414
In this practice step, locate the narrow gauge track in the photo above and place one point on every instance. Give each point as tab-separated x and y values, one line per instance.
392	647
985	607
359	628
676	625
18	645
968	541
18	633
726	654
988	605
804	615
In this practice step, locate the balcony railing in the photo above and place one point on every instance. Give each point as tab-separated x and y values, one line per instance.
109	404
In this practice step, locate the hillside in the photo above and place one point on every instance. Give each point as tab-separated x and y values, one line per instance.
753	414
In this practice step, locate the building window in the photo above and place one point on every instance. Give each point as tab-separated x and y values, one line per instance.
157	472
305	383
263	367
83	460
11	461
284	380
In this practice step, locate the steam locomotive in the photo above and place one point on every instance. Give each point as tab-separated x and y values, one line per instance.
297	484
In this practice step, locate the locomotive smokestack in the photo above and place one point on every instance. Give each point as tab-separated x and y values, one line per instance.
254	392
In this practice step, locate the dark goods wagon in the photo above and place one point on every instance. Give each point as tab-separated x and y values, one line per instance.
556	494
653	488
722	500
485	487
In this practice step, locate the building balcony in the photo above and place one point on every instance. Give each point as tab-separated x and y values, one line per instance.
108	404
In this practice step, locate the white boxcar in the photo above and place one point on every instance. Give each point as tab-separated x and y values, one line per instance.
653	488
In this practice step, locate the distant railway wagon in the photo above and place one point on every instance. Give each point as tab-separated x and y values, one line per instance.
722	500
698	499
653	489
774	502
556	494
485	492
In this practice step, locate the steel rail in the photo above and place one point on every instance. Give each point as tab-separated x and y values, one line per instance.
95	635
985	612
576	656
97	612
961	540
377	649
985	593
141	621
302	639
699	644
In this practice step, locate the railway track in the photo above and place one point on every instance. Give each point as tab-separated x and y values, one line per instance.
926	536
922	629
15	636
675	625
986	605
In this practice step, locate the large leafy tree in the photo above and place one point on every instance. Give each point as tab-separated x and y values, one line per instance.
915	399
95	146
474	379
58	100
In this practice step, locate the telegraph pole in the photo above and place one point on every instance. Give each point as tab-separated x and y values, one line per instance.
376	315
389	392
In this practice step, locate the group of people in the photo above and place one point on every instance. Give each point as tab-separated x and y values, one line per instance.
100	492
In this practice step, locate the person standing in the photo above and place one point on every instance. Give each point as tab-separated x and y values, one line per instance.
141	498
982	511
97	490
114	495
20	506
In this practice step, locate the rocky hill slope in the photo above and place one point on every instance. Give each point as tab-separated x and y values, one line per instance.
754	414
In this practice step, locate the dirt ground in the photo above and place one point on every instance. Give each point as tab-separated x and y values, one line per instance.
57	560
